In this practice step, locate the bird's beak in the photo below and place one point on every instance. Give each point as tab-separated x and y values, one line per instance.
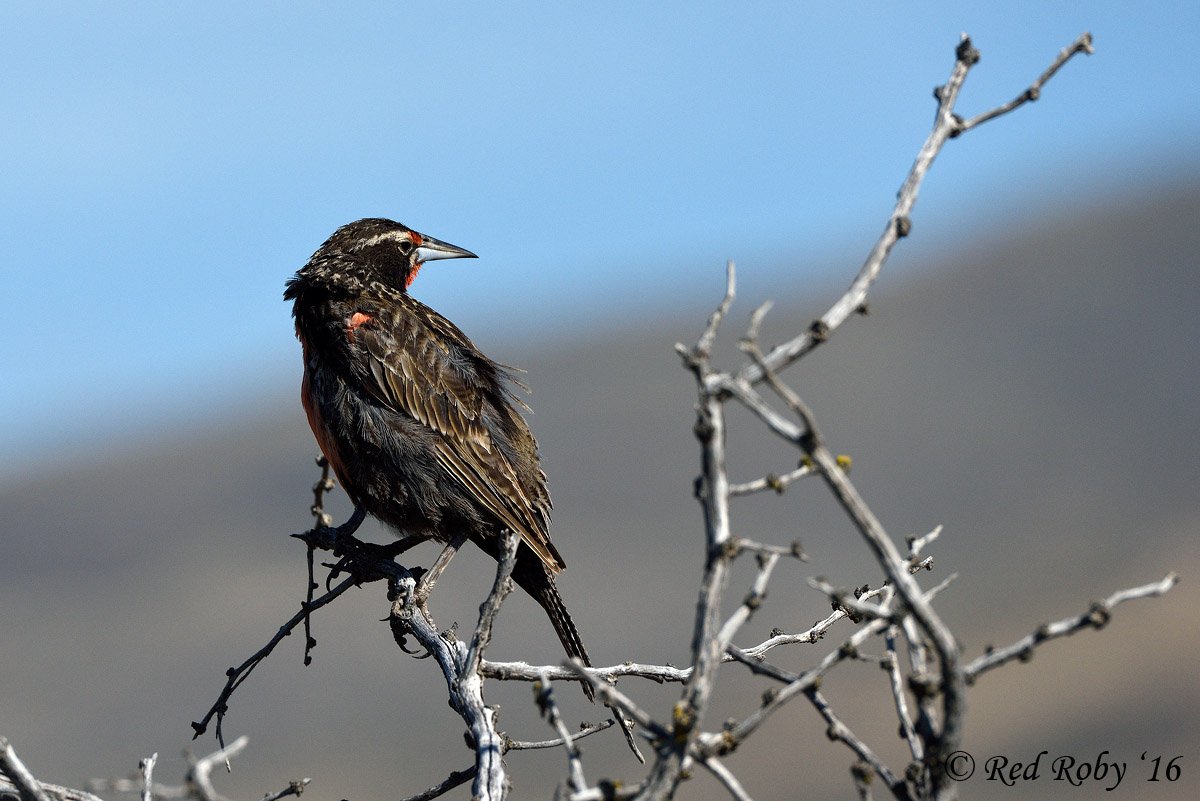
432	249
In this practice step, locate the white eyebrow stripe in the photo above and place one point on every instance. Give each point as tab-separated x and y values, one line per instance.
394	236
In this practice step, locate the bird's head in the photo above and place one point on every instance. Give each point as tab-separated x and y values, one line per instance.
380	250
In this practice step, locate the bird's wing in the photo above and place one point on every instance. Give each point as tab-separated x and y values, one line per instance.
414	365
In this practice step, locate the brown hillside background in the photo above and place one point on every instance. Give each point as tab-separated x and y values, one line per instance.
1035	389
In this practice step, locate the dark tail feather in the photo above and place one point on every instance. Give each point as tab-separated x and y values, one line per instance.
537	580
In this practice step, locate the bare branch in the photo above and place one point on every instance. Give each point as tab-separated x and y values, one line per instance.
917	544
55	792
795	684
771	481
753	600
197	784
1096	617
611	696
200	772
846	599
609	791
455	779
927	724
895	566
11	766
795	550
840	732
324	484
295	788
726	741
488	610
408	617
1081	45
704	345
813	634
521	671
896	682
862	775
726	778
237	675
760	666
899	224
712	490
544	693
147	768
586	730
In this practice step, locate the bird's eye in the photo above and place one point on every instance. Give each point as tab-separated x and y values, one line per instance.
406	246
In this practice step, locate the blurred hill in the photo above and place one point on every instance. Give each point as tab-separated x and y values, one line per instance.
1035	391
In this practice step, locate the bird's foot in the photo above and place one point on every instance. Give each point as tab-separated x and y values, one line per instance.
335	538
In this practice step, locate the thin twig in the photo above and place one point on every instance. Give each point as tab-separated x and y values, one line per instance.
55	792
771	481
586	730
899	224
795	550
953	684
725	776
456	778
295	788
521	671
917	544
753	600
1096	617
891	664
501	587
712	491
323	520
839	731
237	675
1081	45
762	667
544	693
324	484
794	685
927	724
611	696
704	345
845	598
729	739
199	774
609	791
862	774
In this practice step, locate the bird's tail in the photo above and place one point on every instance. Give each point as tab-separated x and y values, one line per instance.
535	578
532	575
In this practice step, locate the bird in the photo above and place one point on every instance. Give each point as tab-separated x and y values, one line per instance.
419	426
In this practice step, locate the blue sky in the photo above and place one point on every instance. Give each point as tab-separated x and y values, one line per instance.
164	167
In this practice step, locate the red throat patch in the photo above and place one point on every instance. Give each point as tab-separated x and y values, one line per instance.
417	242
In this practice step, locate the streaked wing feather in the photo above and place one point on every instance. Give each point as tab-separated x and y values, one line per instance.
424	385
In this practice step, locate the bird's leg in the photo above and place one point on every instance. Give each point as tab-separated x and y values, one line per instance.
427	581
342	542
330	538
